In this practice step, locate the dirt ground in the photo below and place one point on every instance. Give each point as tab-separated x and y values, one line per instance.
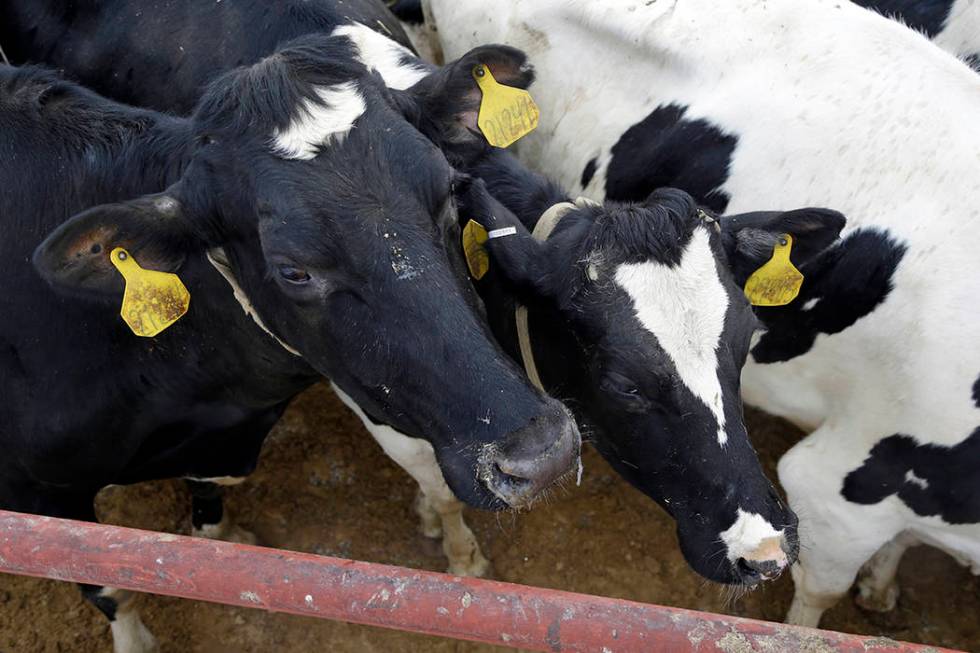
324	486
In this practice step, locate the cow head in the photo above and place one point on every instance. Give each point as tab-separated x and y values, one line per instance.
335	217
659	331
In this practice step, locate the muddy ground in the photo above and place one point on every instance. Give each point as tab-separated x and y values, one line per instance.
324	486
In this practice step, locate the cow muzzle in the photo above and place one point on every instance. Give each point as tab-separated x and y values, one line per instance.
531	459
768	560
757	551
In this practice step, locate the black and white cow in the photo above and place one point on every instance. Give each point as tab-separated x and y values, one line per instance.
811	102
167	69
953	25
299	192
636	317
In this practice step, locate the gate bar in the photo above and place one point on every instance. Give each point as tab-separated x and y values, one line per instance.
504	614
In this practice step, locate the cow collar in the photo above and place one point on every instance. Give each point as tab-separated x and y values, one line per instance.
546	224
219	260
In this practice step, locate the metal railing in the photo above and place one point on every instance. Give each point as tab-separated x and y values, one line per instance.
504	614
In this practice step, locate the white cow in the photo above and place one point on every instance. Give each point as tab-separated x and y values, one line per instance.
749	103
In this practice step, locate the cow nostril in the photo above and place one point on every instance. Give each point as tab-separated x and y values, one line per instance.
499	470
748	573
515	490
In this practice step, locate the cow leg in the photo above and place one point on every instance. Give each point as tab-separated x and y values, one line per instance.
129	635
458	542
209	518
837	537
417	458
430	522
877	588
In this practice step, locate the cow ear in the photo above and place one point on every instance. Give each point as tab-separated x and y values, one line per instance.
75	256
515	255
750	238
444	106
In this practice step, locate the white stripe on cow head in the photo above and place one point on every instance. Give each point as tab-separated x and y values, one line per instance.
317	123
380	53
684	307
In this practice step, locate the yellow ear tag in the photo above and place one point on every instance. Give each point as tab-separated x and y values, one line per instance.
778	282
506	113
153	300
477	259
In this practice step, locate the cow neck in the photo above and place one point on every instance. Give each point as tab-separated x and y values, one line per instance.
542	230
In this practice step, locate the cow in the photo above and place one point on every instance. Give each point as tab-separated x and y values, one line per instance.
137	66
751	103
635	315
953	25
312	227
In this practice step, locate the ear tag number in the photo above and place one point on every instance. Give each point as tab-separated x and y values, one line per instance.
477	259
778	282
153	300
506	113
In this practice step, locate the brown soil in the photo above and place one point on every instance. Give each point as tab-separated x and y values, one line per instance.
324	486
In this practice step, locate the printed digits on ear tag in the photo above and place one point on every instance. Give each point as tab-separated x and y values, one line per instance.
506	113
152	300
778	282
477	259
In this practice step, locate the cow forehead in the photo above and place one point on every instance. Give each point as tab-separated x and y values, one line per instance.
684	307
396	64
317	121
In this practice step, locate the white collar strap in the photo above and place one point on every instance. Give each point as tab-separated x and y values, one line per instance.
219	260
542	230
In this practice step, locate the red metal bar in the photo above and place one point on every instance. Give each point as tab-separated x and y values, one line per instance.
392	597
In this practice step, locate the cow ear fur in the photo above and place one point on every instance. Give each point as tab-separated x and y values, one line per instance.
75	256
444	106
749	238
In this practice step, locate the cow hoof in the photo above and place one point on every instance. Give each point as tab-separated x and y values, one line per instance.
876	599
476	567
129	635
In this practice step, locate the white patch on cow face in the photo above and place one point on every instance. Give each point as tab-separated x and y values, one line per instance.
684	307
749	538
380	53
319	123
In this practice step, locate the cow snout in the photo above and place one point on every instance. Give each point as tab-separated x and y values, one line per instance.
765	562
532	458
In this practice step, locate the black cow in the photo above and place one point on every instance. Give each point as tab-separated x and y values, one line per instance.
161	56
637	317
299	181
138	64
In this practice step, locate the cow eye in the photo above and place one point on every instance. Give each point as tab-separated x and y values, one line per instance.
293	274
623	389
